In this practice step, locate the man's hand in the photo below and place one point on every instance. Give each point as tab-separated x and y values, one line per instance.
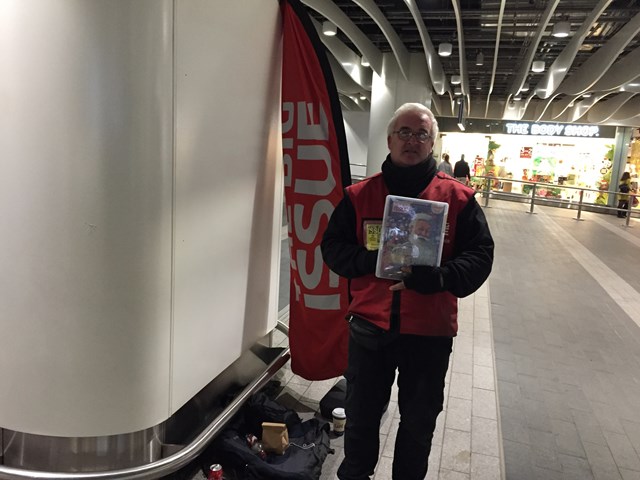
422	279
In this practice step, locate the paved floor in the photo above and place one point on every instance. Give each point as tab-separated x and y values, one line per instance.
544	381
566	322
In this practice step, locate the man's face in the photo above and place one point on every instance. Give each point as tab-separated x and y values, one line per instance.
406	153
421	228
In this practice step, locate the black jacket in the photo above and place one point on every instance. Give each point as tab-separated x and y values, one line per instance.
461	169
463	274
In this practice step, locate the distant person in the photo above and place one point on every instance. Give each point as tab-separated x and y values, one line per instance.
461	171
445	166
623	198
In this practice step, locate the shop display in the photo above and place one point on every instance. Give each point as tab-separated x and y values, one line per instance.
565	162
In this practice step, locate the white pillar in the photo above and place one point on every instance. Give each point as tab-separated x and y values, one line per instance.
388	92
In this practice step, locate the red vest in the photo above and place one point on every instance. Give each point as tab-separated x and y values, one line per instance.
429	315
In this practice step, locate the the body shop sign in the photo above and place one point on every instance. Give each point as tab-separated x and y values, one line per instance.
554	129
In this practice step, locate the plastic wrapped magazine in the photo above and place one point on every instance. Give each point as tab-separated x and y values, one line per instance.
412	234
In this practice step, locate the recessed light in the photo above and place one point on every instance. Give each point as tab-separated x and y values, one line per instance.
445	49
537	66
561	29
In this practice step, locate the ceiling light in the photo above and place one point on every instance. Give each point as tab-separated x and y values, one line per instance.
479	59
517	98
537	66
364	62
457	91
455	79
561	29
329	29
461	121
586	94
479	85
525	88
363	96
445	49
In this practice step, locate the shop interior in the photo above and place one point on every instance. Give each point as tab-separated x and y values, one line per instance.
568	161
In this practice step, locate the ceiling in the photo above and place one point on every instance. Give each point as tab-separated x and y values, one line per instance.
590	76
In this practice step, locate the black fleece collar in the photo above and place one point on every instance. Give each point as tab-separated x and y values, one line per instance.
408	181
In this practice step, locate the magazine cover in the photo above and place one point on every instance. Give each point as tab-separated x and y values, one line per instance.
412	234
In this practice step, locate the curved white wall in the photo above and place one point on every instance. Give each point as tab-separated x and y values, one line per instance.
228	185
138	163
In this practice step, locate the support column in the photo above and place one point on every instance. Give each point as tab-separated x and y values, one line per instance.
388	92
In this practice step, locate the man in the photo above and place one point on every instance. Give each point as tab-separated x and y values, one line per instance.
420	249
461	171
417	246
412	322
424	248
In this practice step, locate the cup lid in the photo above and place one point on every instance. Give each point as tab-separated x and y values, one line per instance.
338	412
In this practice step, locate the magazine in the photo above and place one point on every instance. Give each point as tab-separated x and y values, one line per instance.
412	234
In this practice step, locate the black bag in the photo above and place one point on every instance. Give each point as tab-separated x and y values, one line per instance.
369	335
624	188
308	444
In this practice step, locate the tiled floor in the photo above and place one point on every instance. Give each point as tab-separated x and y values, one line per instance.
566	314
544	381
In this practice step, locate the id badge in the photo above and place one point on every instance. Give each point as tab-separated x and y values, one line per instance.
371	234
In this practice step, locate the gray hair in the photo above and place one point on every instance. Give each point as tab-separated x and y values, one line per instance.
421	216
414	108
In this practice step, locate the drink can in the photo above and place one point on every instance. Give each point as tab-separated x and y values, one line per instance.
251	440
215	472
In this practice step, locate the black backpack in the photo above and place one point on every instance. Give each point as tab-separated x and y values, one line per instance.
308	444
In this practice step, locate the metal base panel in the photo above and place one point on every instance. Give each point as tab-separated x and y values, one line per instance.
151	453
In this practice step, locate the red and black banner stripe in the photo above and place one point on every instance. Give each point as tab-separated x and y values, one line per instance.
316	171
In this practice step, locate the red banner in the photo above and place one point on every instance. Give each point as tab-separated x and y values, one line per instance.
316	168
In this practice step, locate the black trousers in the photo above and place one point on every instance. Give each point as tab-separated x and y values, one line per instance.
623	204
422	364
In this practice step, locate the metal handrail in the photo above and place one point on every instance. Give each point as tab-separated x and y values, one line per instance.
535	185
179	459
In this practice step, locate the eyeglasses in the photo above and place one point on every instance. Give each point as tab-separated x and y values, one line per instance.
405	134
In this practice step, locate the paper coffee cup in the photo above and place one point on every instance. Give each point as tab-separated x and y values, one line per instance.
339	420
